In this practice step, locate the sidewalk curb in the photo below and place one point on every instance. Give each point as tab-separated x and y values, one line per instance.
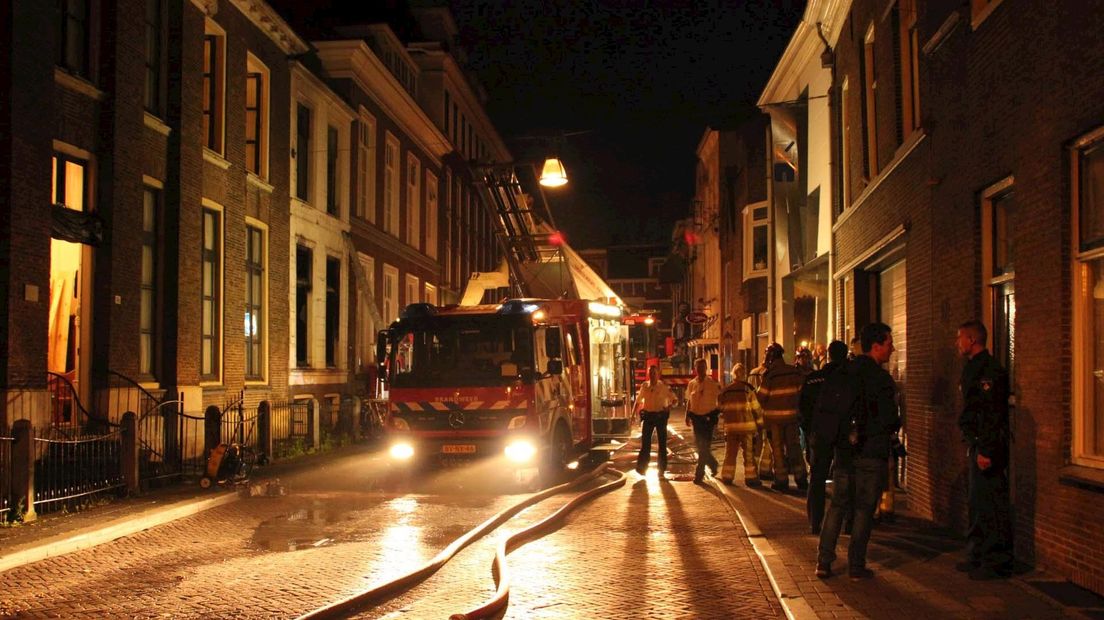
115	529
793	604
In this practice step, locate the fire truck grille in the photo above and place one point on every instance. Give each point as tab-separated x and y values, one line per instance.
460	419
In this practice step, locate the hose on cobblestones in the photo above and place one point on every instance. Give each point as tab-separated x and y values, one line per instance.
500	568
375	594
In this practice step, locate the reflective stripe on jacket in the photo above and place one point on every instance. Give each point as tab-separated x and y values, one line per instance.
780	392
740	409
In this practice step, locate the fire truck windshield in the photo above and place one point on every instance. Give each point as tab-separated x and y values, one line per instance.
471	353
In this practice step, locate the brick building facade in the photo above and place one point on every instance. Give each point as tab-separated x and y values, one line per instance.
969	160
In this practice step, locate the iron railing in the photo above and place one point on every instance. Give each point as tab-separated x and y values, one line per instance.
291	425
70	470
6	444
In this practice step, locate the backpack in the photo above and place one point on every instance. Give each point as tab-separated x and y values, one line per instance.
837	409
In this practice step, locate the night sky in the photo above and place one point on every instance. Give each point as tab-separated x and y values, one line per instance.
641	79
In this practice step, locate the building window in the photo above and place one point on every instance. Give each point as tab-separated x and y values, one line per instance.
448	106
756	239
845	146
302	152
73	36
213	100
430	294
391	185
412	290
431	215
147	327
998	248
1087	191
332	203
366	160
333	310
870	114
366	324
413	202
256	118
303	272
155	36
390	294
254	302
211	329
909	44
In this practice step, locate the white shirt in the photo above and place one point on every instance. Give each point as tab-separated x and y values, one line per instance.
702	395
652	398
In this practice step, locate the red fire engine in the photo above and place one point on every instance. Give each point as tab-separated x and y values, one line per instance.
529	379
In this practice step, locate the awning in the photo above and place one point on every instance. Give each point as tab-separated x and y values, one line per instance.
707	344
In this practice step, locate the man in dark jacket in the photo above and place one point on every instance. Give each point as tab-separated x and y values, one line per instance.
820	448
984	424
859	472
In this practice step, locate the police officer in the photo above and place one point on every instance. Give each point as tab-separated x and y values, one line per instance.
701	413
820	460
984	424
779	395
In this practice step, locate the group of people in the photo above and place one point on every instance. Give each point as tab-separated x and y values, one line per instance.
846	411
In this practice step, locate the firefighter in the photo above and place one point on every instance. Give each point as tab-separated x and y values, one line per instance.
985	428
701	414
653	403
779	396
761	447
742	418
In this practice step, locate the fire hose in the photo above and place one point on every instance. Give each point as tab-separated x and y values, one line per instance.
500	568
355	602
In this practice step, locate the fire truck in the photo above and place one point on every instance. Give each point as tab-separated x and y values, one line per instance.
536	378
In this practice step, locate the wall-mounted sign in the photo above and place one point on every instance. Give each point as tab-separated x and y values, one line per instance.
696	318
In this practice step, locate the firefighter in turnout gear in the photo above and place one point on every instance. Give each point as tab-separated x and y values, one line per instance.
742	418
985	429
779	395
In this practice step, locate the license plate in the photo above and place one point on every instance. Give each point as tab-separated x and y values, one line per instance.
458	449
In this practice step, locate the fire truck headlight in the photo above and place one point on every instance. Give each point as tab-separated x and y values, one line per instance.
516	422
400	424
402	451
521	451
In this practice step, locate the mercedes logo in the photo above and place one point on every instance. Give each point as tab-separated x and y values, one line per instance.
456	419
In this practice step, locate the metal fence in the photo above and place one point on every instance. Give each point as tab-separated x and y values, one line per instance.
170	445
291	426
71	470
6	478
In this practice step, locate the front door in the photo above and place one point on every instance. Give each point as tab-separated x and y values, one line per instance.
69	333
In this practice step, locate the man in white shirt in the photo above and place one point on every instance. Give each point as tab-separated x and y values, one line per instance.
653	403
702	411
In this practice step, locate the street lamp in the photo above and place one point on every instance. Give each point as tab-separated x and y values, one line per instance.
553	173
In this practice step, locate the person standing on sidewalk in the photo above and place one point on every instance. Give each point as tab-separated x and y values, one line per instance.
985	428
653	403
820	447
779	397
859	471
701	413
742	418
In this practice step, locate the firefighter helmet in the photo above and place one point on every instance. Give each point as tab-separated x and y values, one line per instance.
774	351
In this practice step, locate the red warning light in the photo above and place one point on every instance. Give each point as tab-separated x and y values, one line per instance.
556	238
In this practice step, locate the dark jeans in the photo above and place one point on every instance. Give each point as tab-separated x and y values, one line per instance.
989	537
653	421
704	426
858	481
819	466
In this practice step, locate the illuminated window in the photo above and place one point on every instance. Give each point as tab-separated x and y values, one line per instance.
366	325
391	185
412	289
390	294
254	302
1087	191
756	239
